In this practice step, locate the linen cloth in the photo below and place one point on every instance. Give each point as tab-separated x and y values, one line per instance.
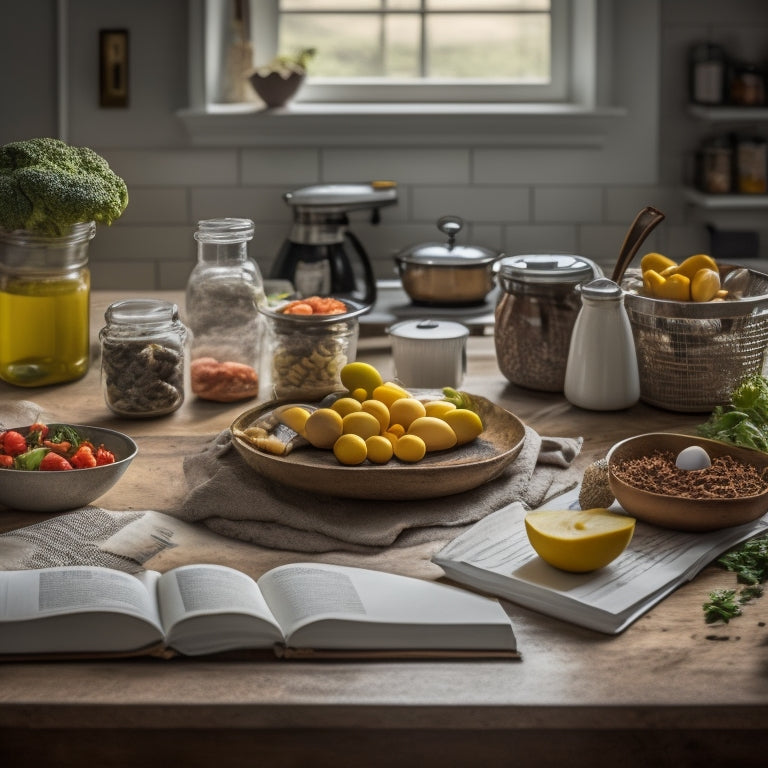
232	499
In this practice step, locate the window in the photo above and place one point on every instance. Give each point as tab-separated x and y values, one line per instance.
420	50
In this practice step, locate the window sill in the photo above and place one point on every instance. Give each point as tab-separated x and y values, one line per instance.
349	125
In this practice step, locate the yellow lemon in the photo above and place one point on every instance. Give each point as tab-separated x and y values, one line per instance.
690	266
345	405
705	285
578	540
438	408
361	423
404	410
379	410
359	375
410	448
436	434
350	450
656	262
380	449
295	418
388	393
466	424
323	428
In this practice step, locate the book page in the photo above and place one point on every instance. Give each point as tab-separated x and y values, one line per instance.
656	561
76	608
325	606
213	608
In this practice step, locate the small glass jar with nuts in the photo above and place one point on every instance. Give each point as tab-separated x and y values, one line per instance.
305	353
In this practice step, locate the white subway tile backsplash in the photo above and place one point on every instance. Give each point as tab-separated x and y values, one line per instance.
567	204
472	203
257	203
172	167
405	166
156	205
286	168
540	238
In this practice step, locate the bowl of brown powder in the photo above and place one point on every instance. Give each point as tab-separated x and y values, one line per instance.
647	483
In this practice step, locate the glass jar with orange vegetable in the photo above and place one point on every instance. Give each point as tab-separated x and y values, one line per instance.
309	341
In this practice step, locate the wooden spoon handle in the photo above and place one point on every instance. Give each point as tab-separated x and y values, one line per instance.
644	223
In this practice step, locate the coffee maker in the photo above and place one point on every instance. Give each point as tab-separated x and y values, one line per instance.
316	257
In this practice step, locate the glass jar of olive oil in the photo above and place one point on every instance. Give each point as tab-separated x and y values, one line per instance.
44	306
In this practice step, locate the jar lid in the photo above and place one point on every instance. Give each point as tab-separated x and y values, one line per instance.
147	311
447	254
547	268
224	231
429	329
602	289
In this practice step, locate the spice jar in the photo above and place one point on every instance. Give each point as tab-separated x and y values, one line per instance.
142	357
715	163
707	69
44	306
224	293
535	316
752	165
304	354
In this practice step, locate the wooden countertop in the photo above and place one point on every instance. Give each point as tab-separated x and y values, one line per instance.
670	685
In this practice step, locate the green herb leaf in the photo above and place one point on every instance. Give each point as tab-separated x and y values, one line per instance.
721	606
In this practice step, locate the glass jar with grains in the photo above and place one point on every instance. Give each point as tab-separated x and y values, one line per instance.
224	294
536	314
142	357
310	341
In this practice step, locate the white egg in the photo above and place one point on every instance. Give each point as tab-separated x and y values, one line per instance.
693	457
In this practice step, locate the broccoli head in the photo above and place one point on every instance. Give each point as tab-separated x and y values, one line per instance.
46	186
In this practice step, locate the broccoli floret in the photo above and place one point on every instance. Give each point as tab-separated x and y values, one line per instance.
46	186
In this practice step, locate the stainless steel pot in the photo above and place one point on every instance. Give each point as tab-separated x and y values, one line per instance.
446	274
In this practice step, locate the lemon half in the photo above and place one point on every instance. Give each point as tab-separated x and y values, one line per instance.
578	540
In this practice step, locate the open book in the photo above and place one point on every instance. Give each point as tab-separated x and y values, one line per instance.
496	556
306	609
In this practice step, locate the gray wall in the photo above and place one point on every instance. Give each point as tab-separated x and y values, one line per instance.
173	183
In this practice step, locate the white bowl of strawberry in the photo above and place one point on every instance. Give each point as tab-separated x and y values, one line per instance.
56	467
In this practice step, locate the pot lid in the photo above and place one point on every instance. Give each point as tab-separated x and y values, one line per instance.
547	268
448	254
428	329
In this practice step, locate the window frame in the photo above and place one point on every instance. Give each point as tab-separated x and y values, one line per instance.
572	76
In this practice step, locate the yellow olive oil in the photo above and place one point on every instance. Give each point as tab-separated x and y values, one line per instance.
44	329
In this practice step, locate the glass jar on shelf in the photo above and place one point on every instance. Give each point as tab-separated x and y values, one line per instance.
142	358
44	306
223	297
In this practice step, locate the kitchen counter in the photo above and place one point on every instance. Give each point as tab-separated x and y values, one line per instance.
670	690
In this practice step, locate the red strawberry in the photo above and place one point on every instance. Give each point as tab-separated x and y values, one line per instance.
12	442
52	462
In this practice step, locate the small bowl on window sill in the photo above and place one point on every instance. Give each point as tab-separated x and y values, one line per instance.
276	88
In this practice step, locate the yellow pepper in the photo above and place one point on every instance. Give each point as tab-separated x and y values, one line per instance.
656	262
675	288
693	264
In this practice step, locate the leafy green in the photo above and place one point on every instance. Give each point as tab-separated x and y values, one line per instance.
46	186
744	421
63	433
30	459
459	399
721	606
749	562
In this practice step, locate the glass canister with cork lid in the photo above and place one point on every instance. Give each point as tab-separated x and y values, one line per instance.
224	294
535	316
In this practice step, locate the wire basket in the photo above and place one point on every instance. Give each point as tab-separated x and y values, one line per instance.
692	355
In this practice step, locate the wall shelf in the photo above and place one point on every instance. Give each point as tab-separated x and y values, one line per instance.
726	202
728	114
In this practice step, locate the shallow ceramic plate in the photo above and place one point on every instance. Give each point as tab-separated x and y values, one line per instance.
438	474
675	512
59	491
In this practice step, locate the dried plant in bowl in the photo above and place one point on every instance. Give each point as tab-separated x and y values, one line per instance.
279	81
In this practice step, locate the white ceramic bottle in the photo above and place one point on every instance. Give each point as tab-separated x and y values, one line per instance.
601	373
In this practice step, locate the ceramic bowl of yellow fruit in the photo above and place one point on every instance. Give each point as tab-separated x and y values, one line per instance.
377	440
579	540
699	328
